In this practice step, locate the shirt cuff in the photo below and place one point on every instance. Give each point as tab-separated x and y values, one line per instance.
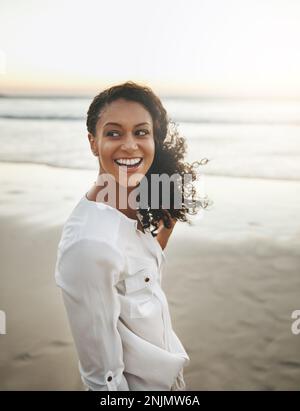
112	383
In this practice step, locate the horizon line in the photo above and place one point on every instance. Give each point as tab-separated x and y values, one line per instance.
177	96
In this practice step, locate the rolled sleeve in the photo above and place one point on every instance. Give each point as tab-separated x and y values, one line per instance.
87	272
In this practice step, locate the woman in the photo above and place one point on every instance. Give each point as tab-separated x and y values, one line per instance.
109	262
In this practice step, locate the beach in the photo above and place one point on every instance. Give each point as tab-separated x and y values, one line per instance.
232	280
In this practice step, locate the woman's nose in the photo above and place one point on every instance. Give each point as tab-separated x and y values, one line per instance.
129	143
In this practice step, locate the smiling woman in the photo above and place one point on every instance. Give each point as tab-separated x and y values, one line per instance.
109	264
129	129
128	143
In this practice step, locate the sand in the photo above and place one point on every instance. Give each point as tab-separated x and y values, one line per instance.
232	280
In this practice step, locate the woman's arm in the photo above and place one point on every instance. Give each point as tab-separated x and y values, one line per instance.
164	233
87	272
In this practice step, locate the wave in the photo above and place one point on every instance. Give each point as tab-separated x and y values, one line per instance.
45	163
220	121
206	172
35	117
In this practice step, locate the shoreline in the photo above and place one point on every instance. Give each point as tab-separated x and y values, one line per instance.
216	175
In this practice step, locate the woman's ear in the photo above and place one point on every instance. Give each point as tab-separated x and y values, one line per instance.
93	144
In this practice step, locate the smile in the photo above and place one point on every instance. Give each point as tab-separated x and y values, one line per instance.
129	162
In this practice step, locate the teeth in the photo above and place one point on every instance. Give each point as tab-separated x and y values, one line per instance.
128	161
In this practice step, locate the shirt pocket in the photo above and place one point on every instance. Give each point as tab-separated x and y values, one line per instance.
139	287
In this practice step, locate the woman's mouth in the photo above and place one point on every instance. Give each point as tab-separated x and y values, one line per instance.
131	164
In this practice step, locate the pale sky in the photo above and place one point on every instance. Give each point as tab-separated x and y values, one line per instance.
191	46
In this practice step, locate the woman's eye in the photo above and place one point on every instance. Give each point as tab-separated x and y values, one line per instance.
112	132
143	131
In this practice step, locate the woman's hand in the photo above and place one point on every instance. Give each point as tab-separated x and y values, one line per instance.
164	233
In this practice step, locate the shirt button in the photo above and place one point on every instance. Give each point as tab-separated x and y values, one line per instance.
147	279
109	378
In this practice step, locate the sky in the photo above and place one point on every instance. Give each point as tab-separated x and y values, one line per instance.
198	47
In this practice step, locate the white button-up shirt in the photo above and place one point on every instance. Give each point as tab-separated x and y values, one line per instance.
110	276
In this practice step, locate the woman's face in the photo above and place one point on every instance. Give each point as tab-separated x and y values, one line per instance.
124	140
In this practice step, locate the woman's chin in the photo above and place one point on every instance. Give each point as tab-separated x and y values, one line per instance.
131	181
127	179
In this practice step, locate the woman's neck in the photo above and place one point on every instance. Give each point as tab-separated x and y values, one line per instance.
119	205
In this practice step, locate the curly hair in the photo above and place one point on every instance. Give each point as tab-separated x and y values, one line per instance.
170	151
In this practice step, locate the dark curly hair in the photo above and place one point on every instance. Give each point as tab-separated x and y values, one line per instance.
170	150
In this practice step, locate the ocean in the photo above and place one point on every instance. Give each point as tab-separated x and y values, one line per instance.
257	138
